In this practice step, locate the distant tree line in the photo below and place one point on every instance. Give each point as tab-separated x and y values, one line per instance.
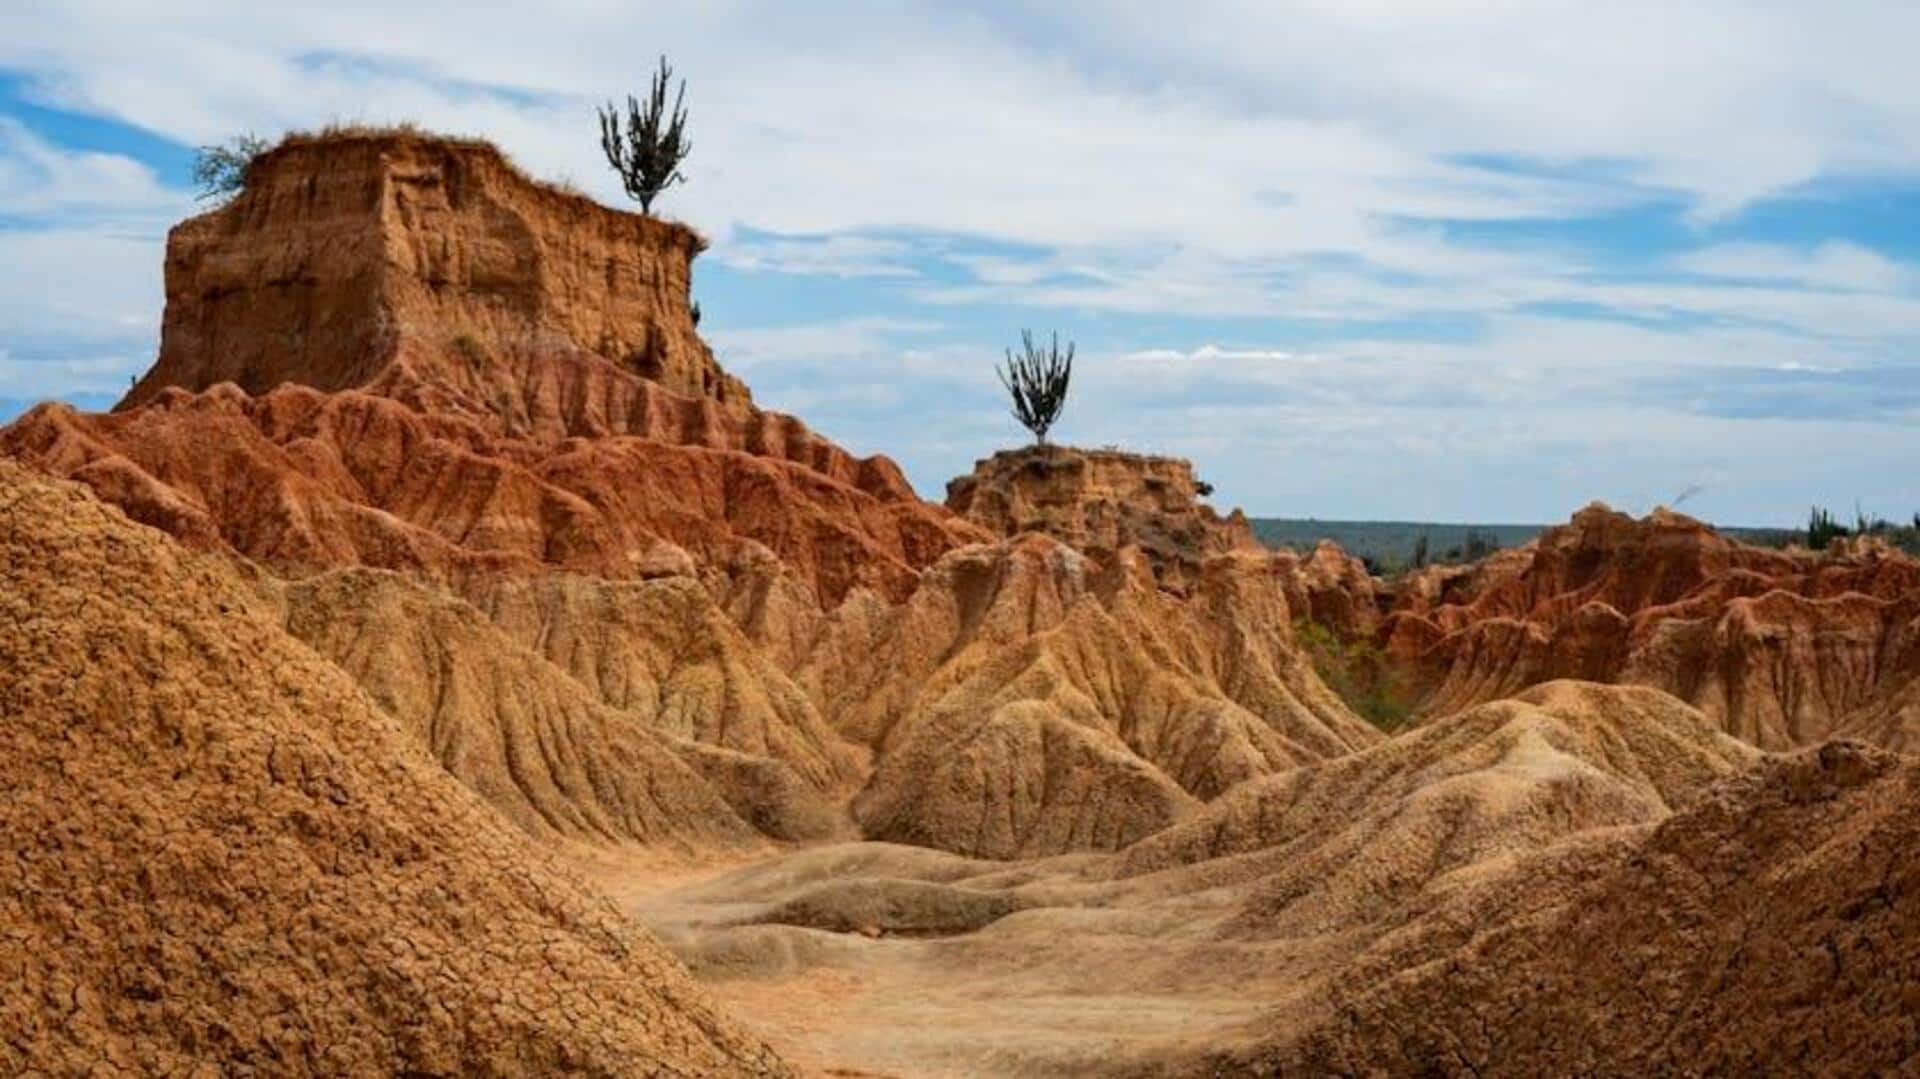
1823	528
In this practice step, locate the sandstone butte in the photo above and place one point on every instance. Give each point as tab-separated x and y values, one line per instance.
467	572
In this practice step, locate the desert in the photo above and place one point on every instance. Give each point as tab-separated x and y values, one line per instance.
437	661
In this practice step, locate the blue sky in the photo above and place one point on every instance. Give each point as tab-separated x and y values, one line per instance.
1386	260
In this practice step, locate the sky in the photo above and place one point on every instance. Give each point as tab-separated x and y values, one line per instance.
1373	259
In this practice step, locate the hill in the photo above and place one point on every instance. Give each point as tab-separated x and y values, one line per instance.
220	850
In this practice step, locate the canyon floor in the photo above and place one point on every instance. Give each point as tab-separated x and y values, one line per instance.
914	989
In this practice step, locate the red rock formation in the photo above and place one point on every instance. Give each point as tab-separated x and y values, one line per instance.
1101	501
1330	587
391	259
397	351
300	479
1783	648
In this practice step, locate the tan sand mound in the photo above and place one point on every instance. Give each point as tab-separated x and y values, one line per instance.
1310	922
1773	928
221	850
1028	699
510	725
1347	840
665	651
874	906
629	754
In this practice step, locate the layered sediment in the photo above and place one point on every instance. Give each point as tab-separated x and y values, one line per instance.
1101	501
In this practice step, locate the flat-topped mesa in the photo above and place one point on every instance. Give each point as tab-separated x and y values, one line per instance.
1101	500
435	271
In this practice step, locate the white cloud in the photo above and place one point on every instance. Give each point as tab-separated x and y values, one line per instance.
829	256
34	379
1245	129
1833	265
80	265
746	348
38	178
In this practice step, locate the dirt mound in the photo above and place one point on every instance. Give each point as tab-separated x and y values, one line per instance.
1028	699
222	850
1784	649
1351	838
1769	928
522	733
873	906
1100	501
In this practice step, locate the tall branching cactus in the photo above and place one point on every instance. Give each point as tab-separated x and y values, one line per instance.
648	149
1037	380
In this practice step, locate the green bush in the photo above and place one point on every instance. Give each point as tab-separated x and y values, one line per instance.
219	171
1361	673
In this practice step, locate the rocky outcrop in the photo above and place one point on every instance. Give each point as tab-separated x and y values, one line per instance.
1029	699
1101	501
1332	588
220	850
422	265
1782	648
397	351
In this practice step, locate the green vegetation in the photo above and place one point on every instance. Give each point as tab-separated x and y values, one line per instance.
1394	546
1823	529
219	171
1391	547
648	151
1037	380
1363	675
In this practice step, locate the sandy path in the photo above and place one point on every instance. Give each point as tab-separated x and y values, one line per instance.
1075	988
